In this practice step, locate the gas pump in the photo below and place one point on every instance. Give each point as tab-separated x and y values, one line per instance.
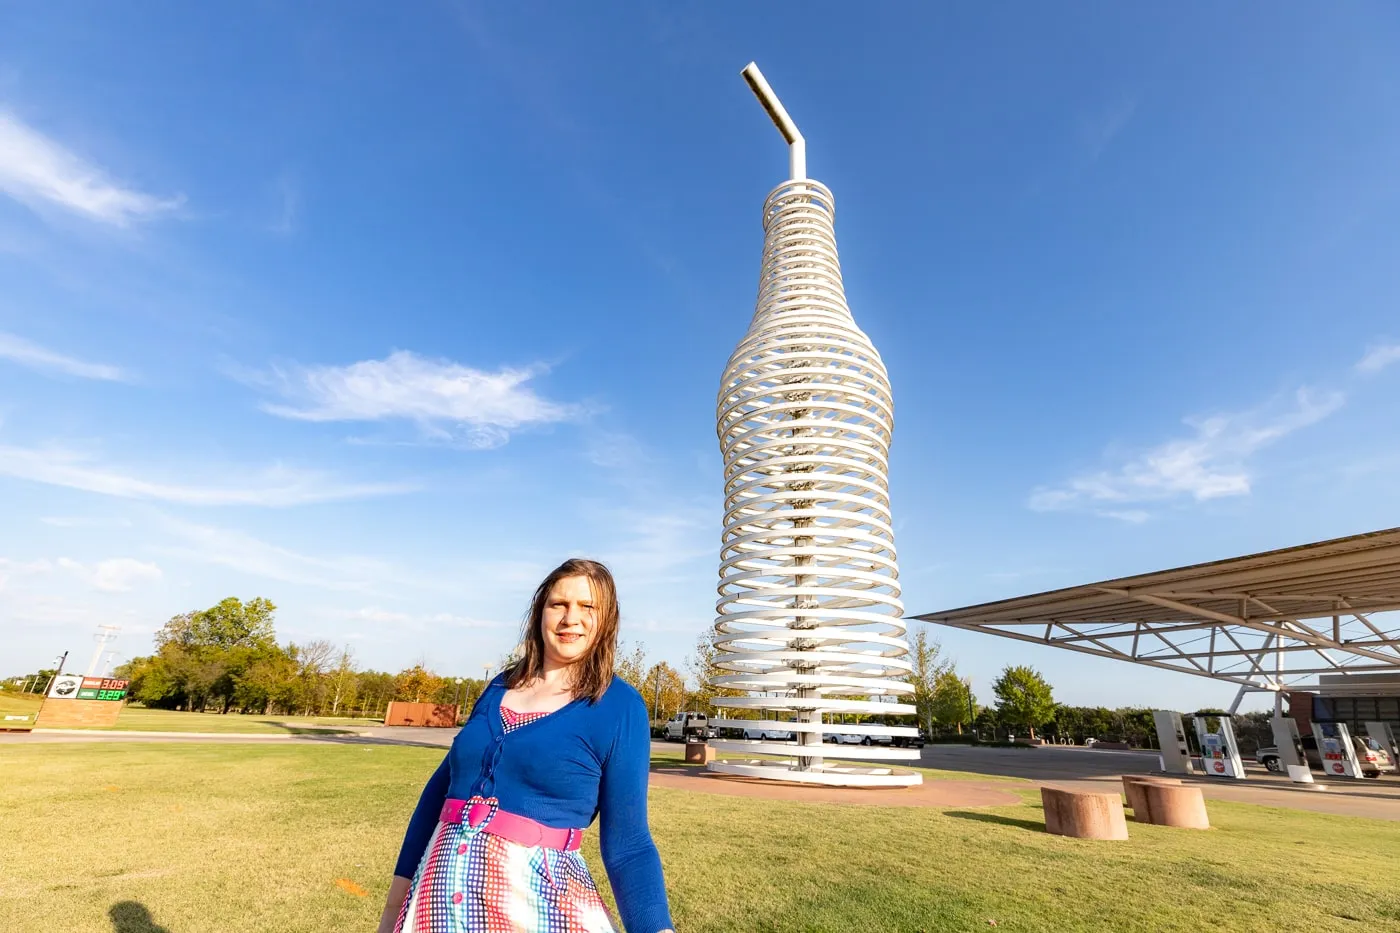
1382	733
1220	755
1171	739
1290	750
1337	751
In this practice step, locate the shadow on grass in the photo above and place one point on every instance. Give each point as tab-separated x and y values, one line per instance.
133	917
1035	825
373	740
296	729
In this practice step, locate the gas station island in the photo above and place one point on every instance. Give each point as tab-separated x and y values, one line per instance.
1313	625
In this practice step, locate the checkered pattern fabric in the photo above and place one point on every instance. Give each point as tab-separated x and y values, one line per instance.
473	882
511	720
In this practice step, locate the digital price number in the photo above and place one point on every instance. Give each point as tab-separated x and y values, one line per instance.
103	688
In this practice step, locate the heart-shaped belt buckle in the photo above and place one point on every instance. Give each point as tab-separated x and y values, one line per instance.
478	813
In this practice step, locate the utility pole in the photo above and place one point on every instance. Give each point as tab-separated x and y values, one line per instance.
104	634
656	701
61	660
971	712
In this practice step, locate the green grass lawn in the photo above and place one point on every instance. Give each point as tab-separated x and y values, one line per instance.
17	704
139	719
284	839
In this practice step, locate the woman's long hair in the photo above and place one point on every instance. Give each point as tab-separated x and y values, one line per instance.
594	671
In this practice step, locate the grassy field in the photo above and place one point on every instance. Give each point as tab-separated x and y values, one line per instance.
139	719
147	838
17	704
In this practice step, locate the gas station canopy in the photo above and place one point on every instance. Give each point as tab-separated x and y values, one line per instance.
1271	621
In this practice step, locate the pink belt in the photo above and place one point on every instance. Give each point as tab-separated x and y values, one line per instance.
481	813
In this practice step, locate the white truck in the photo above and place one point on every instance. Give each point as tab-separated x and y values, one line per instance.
683	724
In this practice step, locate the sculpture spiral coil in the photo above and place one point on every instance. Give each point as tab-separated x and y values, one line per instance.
808	619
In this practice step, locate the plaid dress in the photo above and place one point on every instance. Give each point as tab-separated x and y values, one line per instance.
470	881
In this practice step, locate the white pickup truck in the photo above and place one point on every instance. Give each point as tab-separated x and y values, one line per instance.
680	724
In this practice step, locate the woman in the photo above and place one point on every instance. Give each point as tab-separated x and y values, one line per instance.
553	741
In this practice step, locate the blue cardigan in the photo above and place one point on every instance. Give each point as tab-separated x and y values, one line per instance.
562	770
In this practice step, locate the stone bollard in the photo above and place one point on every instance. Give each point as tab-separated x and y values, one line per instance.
1184	807
1137	800
698	753
1083	815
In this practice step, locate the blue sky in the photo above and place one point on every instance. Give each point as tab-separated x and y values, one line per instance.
380	312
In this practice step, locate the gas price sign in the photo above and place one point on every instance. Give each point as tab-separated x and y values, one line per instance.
103	688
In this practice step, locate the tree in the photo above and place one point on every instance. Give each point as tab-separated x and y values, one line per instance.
701	664
953	703
202	655
1024	698
923	655
313	665
375	688
986	723
269	683
231	623
416	685
632	666
343	681
664	690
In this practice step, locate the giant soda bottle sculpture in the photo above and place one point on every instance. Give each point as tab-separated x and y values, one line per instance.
808	631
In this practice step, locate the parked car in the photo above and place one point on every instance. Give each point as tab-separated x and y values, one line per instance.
1371	755
845	738
681	724
909	741
769	735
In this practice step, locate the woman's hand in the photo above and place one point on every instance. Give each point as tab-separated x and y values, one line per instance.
398	890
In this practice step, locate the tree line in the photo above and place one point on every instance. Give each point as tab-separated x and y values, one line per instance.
226	658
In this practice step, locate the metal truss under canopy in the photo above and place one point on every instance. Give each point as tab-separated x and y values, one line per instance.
1271	621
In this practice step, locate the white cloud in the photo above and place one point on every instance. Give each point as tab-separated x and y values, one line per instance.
449	402
375	614
453	620
289	207
11	570
420	621
1211	464
36	170
117	575
654	542
21	351
1097	130
274	487
1131	516
617	451
237	550
84	521
1378	357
